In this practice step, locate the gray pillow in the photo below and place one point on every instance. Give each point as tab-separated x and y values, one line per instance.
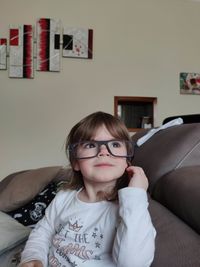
12	233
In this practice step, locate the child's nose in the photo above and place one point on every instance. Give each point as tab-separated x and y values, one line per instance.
103	151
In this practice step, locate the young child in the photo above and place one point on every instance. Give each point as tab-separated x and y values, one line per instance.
101	219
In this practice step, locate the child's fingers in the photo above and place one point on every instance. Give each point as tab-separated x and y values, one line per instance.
137	177
134	170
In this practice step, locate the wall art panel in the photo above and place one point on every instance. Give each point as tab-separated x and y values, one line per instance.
77	42
21	52
48	44
3	54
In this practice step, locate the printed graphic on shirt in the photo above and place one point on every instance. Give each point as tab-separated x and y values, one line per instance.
73	244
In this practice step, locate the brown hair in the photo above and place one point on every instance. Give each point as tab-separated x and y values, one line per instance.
84	130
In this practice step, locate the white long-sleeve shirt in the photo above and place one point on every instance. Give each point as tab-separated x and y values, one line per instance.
102	234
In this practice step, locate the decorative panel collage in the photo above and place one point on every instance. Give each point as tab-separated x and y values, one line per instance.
46	46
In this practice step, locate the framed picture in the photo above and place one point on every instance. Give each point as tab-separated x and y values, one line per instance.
190	83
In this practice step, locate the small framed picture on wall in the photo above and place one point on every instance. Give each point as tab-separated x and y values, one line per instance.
189	83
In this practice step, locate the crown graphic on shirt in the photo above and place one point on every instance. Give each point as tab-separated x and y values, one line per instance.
75	227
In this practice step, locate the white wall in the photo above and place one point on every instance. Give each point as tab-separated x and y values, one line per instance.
140	47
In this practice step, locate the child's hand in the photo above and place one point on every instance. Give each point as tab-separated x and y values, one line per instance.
32	264
137	177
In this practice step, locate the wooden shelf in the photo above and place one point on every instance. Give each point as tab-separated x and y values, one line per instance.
136	112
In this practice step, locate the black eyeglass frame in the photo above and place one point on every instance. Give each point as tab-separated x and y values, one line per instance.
100	143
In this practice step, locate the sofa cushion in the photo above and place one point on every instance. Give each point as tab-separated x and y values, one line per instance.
19	188
179	191
167	150
177	245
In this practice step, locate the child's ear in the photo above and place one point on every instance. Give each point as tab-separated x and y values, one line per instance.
76	166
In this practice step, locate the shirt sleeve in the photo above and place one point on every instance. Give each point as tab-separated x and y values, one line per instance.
134	243
37	246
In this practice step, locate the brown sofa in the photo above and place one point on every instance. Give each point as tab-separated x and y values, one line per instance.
171	160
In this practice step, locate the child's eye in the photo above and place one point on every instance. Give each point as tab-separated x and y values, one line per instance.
88	145
116	144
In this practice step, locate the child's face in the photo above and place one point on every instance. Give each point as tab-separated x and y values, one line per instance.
104	168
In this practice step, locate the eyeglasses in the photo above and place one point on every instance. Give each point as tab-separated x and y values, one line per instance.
90	149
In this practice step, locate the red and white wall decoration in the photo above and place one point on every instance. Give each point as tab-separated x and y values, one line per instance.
77	42
43	48
3	53
21	52
48	45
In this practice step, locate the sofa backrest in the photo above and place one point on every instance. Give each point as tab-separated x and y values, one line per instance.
167	150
